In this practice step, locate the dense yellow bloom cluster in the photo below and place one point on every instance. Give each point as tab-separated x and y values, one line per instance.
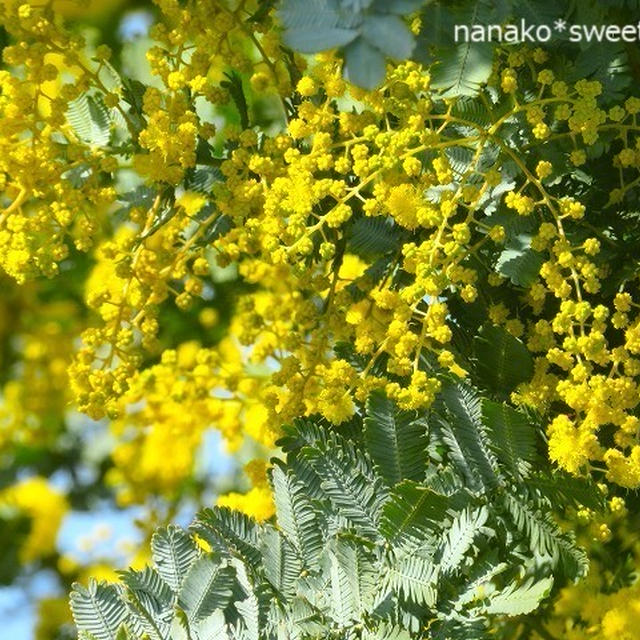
352	162
586	612
38	341
44	506
290	198
257	502
52	179
599	606
167	408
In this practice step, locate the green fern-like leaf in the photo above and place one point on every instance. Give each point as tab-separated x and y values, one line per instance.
89	119
296	515
466	437
484	569
415	578
412	513
173	552
519	262
230	532
353	580
472	109
560	488
98	609
354	490
386	632
459	538
206	588
395	440
503	361
513	437
373	236
545	537
151	600
516	600
464	69
282	565
213	627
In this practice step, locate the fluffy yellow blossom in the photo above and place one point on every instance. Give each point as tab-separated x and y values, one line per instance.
45	508
403	203
565	444
257	502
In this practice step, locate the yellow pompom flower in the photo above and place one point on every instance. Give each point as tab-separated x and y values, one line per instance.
44	506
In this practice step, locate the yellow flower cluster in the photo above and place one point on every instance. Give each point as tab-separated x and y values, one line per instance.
387	171
45	508
257	502
51	180
290	199
169	137
606	604
38	341
165	411
356	227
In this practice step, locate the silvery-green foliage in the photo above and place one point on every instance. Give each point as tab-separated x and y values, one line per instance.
368	31
379	533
